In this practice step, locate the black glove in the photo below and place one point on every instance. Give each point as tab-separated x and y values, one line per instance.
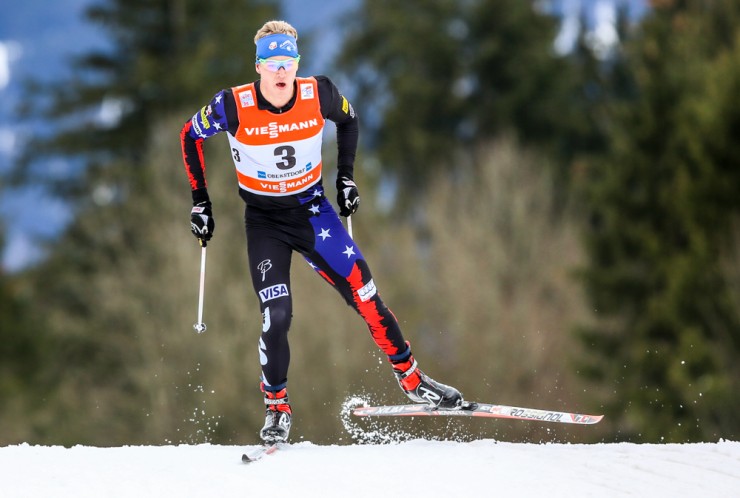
348	197
201	221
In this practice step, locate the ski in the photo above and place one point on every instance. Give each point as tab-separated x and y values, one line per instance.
260	452
472	409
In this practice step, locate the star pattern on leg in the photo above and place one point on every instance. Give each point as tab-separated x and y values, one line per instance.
324	233
349	251
314	209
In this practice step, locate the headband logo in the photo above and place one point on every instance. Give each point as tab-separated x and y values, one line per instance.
277	44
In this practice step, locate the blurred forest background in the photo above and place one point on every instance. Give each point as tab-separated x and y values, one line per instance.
555	230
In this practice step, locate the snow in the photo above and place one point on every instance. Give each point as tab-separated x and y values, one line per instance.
409	469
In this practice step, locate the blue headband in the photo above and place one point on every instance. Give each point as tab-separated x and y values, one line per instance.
277	44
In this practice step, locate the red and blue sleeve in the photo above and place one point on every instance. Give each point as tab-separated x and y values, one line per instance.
213	118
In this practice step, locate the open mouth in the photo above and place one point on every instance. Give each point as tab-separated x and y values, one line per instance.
281	84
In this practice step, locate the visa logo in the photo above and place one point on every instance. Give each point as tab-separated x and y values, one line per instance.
273	292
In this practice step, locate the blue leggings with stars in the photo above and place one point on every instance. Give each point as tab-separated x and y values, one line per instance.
314	230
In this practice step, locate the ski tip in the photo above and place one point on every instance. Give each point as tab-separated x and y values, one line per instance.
583	419
592	419
261	451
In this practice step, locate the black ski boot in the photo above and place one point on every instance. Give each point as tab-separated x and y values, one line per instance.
421	388
277	417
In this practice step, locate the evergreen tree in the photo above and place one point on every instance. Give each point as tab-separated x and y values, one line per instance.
163	56
162	53
436	77
22	348
519	82
406	58
663	202
601	82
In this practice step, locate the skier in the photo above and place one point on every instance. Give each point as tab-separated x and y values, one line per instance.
274	126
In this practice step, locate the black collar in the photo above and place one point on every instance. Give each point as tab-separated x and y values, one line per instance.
264	105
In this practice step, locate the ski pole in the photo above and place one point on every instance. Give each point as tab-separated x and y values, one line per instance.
349	226
200	327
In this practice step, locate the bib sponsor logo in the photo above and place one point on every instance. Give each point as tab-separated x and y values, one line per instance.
273	130
367	291
307	91
264	175
273	292
286	186
246	99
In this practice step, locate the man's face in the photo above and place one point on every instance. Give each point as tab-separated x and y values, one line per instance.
277	74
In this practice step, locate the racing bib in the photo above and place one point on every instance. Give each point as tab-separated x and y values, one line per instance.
278	154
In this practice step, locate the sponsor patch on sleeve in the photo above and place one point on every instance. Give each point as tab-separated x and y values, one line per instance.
367	291
204	115
347	107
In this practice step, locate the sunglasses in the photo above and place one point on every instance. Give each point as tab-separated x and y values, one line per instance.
274	65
